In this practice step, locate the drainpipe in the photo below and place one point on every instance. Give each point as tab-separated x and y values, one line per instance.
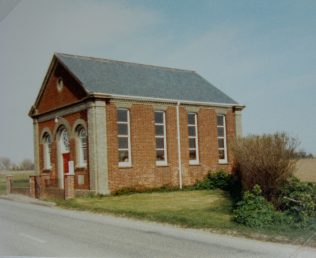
179	145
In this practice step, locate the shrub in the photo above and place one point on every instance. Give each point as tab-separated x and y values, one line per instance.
221	180
266	160
298	199
254	210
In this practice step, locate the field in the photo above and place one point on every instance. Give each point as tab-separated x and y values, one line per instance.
306	170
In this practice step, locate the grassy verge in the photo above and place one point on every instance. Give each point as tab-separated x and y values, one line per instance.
207	209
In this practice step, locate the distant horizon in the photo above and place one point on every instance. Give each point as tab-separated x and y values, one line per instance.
260	53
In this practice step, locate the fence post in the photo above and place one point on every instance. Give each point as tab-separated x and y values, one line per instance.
69	187
32	187
9	180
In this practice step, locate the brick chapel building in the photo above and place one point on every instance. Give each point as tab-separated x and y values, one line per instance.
124	125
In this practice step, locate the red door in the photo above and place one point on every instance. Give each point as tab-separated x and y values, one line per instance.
66	158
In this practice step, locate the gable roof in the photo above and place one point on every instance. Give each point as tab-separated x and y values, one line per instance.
104	76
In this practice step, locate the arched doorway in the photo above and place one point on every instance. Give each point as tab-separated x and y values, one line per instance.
63	154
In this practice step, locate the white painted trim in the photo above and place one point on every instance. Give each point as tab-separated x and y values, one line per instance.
129	162
80	161
196	137
63	111
174	101
36	142
47	151
164	136
223	161
179	145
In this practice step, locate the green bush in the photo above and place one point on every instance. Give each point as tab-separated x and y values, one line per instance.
298	199
217	180
254	210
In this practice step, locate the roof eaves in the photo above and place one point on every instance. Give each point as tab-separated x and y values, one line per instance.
163	100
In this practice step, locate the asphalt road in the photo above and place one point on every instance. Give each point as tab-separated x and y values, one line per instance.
30	230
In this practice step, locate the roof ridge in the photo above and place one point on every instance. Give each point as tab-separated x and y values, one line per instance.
123	62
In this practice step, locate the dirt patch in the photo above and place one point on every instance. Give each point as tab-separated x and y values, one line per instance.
306	170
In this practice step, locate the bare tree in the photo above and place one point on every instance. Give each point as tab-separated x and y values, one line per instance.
26	164
266	160
5	163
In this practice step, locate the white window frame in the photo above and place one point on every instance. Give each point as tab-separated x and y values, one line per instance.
164	137
196	137
81	162
224	137
128	149
47	151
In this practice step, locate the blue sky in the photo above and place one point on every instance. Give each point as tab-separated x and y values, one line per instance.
261	53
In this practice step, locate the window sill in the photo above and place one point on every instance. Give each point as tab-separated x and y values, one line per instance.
47	170
81	167
124	165
194	163
223	162
162	164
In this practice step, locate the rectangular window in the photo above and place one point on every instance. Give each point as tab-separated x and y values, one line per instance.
193	139
160	135
221	139
124	142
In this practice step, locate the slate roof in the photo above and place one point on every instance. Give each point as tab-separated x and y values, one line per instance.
131	79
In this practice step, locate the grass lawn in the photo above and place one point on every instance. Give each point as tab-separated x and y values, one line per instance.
210	210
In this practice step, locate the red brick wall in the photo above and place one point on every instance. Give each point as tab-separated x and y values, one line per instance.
53	172
144	173
52	98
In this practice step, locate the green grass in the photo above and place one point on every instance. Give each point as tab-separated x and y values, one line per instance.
207	209
188	208
2	185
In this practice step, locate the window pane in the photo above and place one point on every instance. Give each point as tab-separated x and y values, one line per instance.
221	154
192	154
123	156
192	143
122	115
85	154
47	138
159	143
220	131
159	130
220	120
220	143
65	139
123	142
82	133
191	119
159	117
122	129
191	130
160	155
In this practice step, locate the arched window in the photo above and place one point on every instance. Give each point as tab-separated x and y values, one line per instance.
47	151
82	153
64	138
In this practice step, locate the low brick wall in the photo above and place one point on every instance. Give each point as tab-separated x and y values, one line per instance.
38	188
11	189
52	193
